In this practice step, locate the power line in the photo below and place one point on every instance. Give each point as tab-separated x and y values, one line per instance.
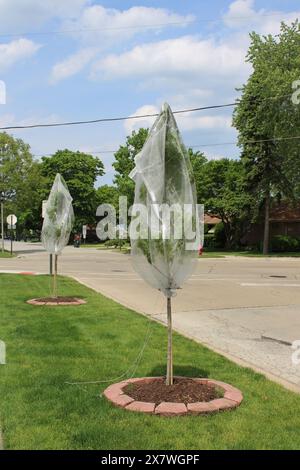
140	116
145	26
122	118
96	30
246	142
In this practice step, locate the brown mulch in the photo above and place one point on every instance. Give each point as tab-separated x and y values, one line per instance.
183	390
59	300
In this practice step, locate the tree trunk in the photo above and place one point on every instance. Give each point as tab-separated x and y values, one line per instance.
55	277
227	234
227	240
267	225
169	380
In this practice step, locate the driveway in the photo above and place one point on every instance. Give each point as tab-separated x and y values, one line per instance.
246	308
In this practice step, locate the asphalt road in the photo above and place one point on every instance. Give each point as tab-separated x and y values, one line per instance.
246	308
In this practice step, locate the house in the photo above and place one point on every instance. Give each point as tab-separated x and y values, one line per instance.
284	220
211	221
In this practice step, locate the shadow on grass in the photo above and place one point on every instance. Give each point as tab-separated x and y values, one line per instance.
184	371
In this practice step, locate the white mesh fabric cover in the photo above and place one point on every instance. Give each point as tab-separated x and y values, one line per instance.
59	217
163	175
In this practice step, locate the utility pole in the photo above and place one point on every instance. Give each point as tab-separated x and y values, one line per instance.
11	235
2	195
51	264
2	226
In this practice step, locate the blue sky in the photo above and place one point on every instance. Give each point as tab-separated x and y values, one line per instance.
104	61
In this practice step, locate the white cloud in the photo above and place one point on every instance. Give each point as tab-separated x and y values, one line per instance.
187	56
14	51
73	64
110	25
131	124
241	14
166	62
186	122
99	28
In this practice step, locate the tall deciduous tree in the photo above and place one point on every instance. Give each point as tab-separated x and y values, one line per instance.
124	163
107	194
80	171
222	190
266	113
198	162
20	182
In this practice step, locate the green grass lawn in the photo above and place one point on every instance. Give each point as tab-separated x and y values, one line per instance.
102	246
252	254
93	245
6	254
47	346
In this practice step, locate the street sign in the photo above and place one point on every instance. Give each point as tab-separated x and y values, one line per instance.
11	227
11	219
84	228
44	205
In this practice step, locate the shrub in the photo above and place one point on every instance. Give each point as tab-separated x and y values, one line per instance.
219	236
281	243
115	243
209	241
111	243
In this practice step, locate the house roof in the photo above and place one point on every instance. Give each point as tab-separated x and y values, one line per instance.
211	219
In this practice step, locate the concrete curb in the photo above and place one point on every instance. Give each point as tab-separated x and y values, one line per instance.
76	301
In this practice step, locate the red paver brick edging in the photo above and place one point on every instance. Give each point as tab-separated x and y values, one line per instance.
59	303
232	398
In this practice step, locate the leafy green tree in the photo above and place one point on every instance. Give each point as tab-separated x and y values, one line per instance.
267	114
29	205
107	195
124	163
222	190
20	182
198	161
80	171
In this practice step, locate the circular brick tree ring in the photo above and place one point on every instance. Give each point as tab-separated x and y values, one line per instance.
59	302
232	399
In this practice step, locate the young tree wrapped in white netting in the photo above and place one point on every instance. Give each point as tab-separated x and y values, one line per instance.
58	222
165	230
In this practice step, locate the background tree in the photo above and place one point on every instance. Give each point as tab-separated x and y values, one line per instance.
265	112
198	162
29	205
124	163
80	171
107	194
222	190
20	183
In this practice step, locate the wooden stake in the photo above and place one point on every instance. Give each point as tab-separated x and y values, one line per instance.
55	277
169	380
